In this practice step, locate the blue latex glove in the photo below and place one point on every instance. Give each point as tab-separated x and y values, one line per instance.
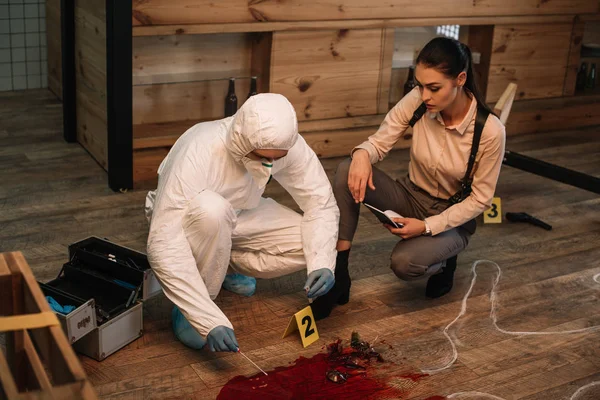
222	338
319	282
57	307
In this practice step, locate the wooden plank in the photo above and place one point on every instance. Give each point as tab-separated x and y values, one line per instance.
164	12
327	74
504	104
574	57
53	37
6	301
150	151
167	59
339	143
533	56
201	100
92	124
591	32
341	123
480	39
261	60
145	166
166	133
41	378
336	137
15	352
385	70
52	343
77	390
9	387
204	28
154	135
90	59
590	17
553	114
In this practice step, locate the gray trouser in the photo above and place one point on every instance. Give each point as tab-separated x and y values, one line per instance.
421	256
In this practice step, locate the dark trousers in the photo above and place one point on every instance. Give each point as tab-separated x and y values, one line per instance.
419	257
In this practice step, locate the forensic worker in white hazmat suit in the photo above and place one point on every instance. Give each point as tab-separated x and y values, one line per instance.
207	215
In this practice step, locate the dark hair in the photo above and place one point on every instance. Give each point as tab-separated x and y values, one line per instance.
451	57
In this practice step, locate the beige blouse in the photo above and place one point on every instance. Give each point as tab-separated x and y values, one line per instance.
439	156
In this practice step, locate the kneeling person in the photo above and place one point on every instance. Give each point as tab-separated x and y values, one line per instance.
208	216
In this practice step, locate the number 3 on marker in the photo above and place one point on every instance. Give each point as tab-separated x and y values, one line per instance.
494	214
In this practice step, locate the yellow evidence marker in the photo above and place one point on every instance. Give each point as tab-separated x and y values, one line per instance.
304	322
494	214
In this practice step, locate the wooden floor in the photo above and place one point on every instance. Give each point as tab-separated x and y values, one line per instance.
53	194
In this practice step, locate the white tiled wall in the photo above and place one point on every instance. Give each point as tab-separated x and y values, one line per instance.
23	50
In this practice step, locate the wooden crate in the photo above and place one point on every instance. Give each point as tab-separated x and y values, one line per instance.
39	361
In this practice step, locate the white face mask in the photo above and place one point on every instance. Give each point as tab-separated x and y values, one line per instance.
259	170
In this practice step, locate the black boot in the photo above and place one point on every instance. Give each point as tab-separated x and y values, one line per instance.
339	293
441	283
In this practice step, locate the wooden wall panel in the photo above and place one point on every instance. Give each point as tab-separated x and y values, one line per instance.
197	101
479	39
181	58
328	74
145	167
185	77
385	70
157	12
533	56
341	142
261	60
561	113
591	32
53	38
90	61
577	34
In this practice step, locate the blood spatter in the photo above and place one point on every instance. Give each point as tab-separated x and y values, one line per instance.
306	378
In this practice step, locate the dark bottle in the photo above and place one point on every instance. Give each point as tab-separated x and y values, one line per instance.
252	87
591	79
410	81
231	99
581	77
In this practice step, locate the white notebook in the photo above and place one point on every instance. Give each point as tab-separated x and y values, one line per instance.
385	216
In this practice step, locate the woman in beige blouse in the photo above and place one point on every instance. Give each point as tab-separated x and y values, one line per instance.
435	229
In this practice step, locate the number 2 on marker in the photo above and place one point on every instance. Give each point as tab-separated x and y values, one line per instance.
307	320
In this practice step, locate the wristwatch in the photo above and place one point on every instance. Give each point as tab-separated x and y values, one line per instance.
427	229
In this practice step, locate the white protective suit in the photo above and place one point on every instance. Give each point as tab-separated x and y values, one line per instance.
208	212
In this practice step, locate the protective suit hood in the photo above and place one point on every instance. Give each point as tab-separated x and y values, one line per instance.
265	121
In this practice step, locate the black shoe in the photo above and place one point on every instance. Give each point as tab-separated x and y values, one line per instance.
339	293
441	283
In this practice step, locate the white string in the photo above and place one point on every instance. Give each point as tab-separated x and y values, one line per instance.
473	394
491	396
589	385
494	318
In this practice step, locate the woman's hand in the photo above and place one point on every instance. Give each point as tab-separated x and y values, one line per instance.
412	227
360	174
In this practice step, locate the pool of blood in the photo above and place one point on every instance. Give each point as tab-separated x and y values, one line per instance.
306	378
